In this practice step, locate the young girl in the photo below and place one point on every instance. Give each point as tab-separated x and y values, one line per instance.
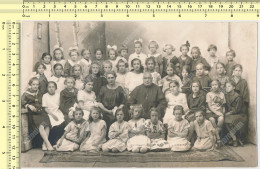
50	103
235	118
186	80
121	74
74	54
112	56
153	46
221	75
174	98
178	131
123	54
107	67
168	58
57	77
138	141
97	129
150	67
196	59
85	62
205	81
118	134
58	57
231	54
77	74
99	56
205	133
216	101
156	132
212	60
170	76
46	60
39	70
138	54
135	77
37	117
184	59
68	97
75	133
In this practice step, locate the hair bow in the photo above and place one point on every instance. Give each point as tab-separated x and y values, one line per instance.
112	47
57	47
139	40
73	48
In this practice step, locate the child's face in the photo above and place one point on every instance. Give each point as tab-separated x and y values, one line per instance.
184	73
154	117
199	70
70	83
121	67
150	65
138	48
212	52
184	50
178	115
195	87
77	71
136	65
95	114
58	54
74	56
35	85
40	69
89	86
199	117
98	55
136	113
195	53
107	67
124	53
111	79
229	87
168	50
169	71
47	59
51	89
112	54
58	71
174	88
86	54
78	115
230	56
220	69
214	86
152	48
237	72
120	116
95	69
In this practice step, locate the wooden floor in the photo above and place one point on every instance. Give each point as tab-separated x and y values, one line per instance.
248	153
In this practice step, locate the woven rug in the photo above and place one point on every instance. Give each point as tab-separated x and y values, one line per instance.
189	156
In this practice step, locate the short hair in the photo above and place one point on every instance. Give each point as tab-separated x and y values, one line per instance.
200	111
78	109
200	64
216	80
138	42
175	82
133	107
112	50
196	81
212	46
235	66
95	108
62	57
172	47
178	107
171	65
99	68
107	62
76	65
46	54
220	63
141	66
231	82
187	44
119	110
52	82
154	43
33	79
121	61
231	51
155	110
69	77
56	65
111	73
187	68
150	59
37	65
83	50
98	49
196	48
73	50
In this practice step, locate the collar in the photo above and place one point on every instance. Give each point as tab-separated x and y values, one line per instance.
85	61
72	63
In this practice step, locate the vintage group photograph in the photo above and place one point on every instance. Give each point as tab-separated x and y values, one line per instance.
138	94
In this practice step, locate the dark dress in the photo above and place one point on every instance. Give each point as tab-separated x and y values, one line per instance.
67	69
229	68
197	61
195	104
187	61
98	82
43	84
174	61
205	82
186	88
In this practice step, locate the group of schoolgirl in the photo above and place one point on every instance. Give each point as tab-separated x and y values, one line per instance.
202	95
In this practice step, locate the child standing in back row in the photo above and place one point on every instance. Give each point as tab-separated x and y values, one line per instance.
153	47
74	54
138	54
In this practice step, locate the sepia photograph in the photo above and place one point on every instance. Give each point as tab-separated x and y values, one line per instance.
146	94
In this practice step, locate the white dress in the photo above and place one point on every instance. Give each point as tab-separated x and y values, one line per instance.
157	78
172	101
79	84
166	81
138	141
140	56
178	143
85	65
95	134
60	83
62	62
51	103
48	71
118	142
132	80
